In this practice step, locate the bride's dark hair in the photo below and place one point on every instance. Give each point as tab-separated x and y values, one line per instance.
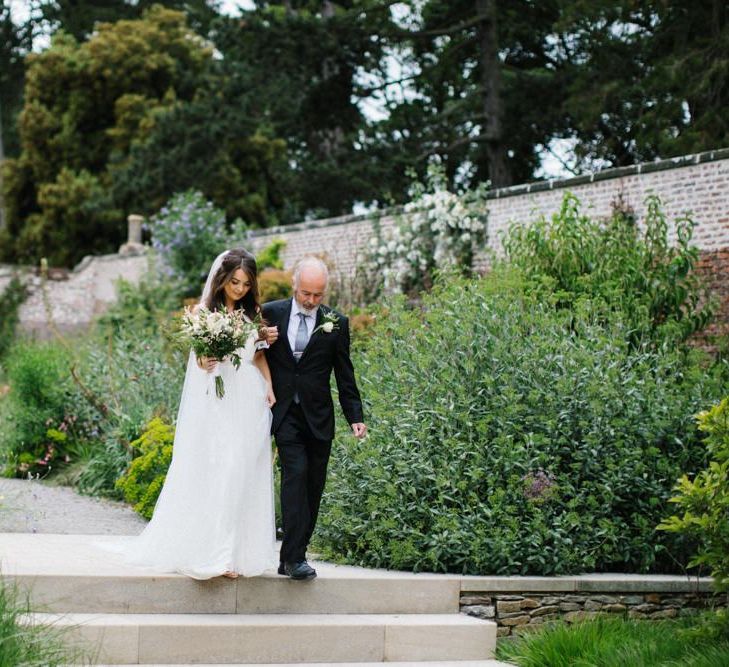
235	259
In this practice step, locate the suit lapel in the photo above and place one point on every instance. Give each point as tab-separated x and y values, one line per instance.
316	332
283	329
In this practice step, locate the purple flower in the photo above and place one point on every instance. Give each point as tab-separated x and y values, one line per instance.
539	486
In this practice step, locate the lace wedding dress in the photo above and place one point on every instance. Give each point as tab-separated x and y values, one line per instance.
215	513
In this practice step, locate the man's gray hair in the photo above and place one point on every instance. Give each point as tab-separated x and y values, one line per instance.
309	262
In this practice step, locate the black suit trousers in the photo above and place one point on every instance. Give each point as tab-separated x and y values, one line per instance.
304	461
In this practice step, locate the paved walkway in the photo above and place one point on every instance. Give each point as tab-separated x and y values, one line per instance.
32	506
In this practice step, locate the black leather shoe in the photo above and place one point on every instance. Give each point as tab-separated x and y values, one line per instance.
281	568
300	571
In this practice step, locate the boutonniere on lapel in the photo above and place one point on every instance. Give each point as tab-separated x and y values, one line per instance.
330	323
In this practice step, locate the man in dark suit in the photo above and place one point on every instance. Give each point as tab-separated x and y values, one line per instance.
313	341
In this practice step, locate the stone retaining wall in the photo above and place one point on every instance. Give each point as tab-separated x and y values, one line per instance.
75	297
520	605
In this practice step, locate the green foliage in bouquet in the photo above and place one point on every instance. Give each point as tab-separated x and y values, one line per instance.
705	498
509	436
573	258
142	483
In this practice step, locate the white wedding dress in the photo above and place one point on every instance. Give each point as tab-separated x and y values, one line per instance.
215	513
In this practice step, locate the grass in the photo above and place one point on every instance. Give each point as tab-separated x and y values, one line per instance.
26	643
701	641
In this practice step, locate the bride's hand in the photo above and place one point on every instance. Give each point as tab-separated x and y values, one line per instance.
270	396
207	363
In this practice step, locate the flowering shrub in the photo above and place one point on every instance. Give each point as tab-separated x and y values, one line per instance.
188	233
142	482
439	230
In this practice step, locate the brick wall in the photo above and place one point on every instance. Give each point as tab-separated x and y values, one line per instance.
697	185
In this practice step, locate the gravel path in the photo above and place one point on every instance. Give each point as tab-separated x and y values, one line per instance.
31	506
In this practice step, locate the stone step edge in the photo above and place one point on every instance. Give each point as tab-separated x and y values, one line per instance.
235	639
430	663
75	619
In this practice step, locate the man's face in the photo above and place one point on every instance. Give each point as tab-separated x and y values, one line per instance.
310	289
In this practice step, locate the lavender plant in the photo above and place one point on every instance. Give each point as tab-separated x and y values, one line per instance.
187	232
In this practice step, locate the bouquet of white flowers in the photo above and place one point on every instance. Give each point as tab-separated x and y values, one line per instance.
217	334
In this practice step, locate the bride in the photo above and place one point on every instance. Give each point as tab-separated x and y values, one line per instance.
215	513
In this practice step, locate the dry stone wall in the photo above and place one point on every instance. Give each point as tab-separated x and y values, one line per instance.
72	297
522	604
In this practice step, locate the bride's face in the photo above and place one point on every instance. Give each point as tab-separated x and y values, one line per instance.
237	287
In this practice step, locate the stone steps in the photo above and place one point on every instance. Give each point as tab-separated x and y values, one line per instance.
431	663
347	615
283	638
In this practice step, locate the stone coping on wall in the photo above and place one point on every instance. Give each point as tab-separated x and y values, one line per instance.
515	190
592	583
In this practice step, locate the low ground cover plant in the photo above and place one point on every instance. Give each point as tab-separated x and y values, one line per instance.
701	641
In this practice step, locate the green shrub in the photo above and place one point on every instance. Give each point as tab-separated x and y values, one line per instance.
130	372
270	256
274	284
39	426
705	498
511	437
188	233
142	483
11	299
614	265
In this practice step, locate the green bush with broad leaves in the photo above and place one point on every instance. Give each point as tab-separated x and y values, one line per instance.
704	498
510	436
142	483
619	266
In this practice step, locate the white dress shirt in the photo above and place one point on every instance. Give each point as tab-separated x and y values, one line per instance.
294	323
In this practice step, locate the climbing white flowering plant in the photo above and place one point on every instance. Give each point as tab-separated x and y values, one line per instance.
438	230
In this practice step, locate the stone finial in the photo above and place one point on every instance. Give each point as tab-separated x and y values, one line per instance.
133	246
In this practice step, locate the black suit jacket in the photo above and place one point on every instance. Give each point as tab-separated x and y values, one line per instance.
310	376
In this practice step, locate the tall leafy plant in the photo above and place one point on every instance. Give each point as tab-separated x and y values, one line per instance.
704	499
619	266
512	437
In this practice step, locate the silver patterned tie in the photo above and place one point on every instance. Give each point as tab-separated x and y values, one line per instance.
302	337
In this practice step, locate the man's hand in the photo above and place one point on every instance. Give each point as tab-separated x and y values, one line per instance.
270	396
359	430
270	334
